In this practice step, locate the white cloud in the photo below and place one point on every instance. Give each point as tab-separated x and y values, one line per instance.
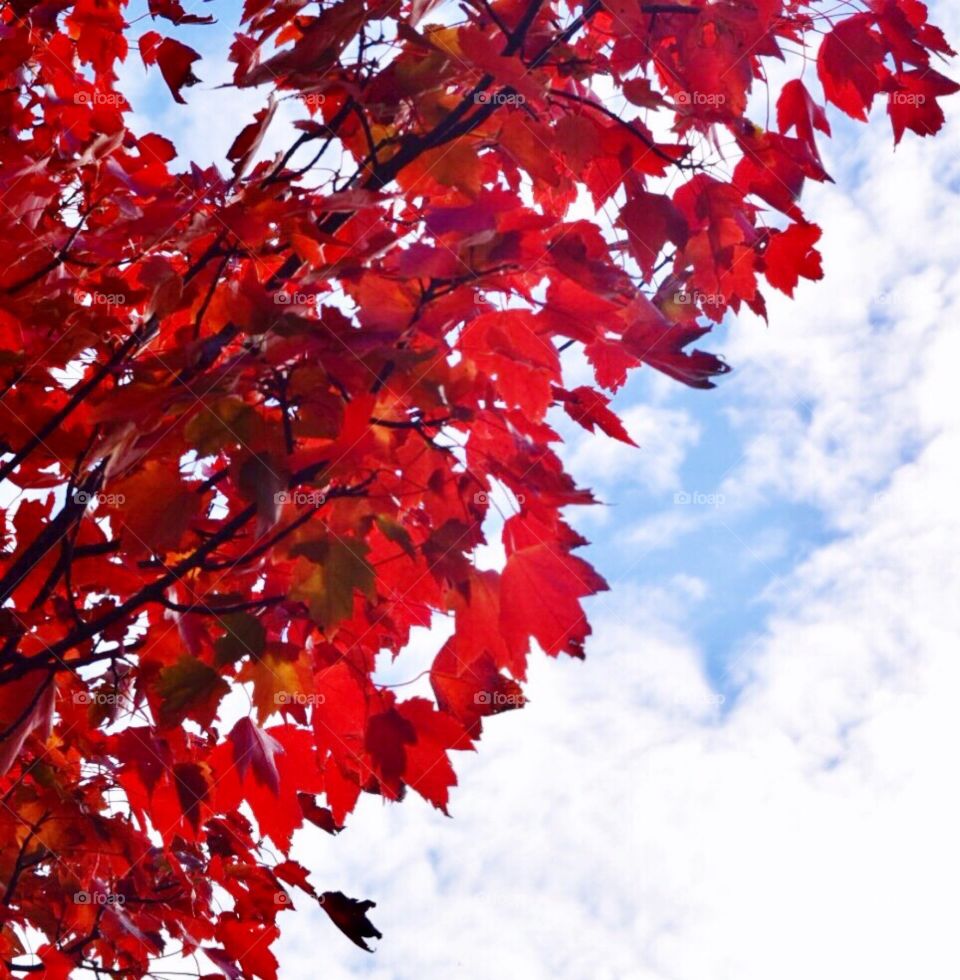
663	530
832	401
665	437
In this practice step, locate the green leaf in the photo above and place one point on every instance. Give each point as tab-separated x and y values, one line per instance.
329	576
395	532
244	636
189	689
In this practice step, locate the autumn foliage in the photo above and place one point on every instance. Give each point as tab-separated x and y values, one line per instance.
251	420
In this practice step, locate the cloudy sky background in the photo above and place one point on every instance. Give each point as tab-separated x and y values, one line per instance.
753	774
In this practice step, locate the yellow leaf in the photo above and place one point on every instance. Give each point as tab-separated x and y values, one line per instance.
279	683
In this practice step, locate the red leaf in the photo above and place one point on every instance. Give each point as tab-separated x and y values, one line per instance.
250	137
914	104
321	816
427	766
149	44
254	748
651	220
797	110
173	10
26	706
540	591
471	690
193	788
273	801
294	874
790	254
588	407
850	65
611	362
248	944
175	60
56	965
661	345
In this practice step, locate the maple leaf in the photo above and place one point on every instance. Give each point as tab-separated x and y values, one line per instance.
588	407
56	965
244	636
270	769
540	593
254	749
281	682
790	254
193	790
153	507
249	138
26	706
472	688
914	104
427	767
330	573
850	65
252	424
188	689
247	943
797	110
651	220
318	815
175	61
174	11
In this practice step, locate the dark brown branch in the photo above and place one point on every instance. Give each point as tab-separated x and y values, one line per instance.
51	659
73	508
204	608
22	864
80	392
411	423
519	34
57	260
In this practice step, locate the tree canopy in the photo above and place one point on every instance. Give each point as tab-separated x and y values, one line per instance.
251	421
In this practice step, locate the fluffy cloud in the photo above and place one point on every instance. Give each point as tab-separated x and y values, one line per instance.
665	437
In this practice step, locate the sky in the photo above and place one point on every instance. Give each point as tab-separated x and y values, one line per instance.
753	774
